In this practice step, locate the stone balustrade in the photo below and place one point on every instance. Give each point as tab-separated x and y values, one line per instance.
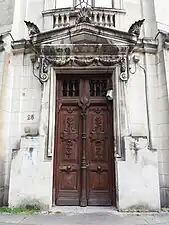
98	16
58	18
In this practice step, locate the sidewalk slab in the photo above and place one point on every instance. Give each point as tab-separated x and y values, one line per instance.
85	216
12	218
85	219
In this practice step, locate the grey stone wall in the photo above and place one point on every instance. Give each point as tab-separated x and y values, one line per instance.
6	12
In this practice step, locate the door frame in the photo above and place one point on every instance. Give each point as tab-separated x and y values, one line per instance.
52	118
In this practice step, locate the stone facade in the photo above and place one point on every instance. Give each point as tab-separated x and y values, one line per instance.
28	101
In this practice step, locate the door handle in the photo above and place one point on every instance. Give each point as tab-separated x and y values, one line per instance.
99	169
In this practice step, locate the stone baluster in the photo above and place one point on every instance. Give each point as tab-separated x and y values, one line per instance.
112	19
67	21
100	18
106	20
62	20
56	20
95	17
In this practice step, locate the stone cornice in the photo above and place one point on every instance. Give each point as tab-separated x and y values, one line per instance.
146	45
143	45
21	46
111	36
92	29
65	10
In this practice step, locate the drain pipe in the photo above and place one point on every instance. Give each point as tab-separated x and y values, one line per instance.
136	61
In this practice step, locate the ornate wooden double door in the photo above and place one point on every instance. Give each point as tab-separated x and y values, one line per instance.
84	157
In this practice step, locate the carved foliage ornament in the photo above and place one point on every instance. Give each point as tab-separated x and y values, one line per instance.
32	28
136	27
84	16
84	61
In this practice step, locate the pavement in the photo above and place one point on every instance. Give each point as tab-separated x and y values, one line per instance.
85	216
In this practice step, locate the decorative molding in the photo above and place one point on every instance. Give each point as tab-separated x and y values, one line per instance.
83	49
84	61
146	45
136	27
52	12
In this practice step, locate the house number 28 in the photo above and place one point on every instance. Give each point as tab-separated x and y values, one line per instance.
30	117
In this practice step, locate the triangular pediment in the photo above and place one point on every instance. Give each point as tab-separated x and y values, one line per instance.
85	34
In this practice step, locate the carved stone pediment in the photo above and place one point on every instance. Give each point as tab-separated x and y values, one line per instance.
85	33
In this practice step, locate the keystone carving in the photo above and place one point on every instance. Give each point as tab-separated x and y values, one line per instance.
32	28
136	27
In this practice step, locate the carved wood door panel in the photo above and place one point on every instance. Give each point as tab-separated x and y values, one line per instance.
84	172
99	155
69	153
68	143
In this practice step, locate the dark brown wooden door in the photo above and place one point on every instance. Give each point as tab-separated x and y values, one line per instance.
84	159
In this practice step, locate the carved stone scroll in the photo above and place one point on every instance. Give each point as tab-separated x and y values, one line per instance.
44	71
123	75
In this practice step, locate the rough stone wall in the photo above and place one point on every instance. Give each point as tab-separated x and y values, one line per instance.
31	172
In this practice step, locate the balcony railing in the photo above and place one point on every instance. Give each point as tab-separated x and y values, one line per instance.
98	16
67	17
